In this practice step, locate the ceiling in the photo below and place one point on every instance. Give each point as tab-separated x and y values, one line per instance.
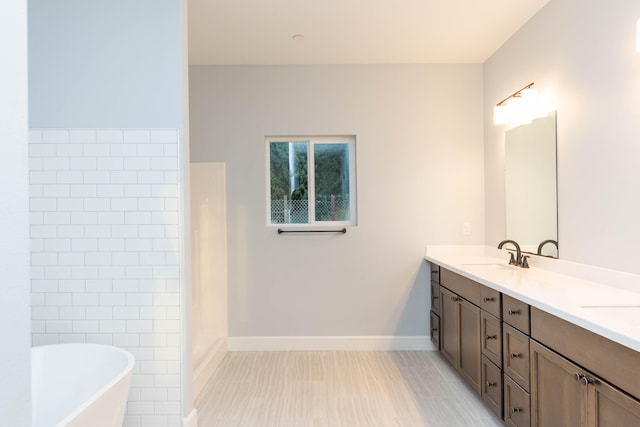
352	31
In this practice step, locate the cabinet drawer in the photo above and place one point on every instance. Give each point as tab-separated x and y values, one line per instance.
517	404
435	329
491	337
516	313
435	297
490	301
516	355
492	386
435	273
466	288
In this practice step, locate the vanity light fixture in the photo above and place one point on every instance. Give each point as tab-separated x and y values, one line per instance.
500	114
519	108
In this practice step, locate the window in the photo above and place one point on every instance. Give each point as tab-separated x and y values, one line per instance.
320	195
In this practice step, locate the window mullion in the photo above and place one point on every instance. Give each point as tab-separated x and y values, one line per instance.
311	179
352	182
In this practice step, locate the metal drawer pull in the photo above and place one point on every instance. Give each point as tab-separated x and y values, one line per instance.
491	337
513	312
455	298
436	297
515	355
586	380
578	376
514	410
434	329
488	299
490	384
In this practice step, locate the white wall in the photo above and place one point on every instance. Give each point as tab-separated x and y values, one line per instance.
104	64
584	52
107	80
419	166
105	253
15	369
209	269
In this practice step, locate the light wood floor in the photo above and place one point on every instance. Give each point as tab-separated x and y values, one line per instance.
339	388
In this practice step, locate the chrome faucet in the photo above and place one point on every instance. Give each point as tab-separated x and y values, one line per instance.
518	258
541	245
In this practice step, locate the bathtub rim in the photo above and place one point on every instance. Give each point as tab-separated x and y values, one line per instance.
92	398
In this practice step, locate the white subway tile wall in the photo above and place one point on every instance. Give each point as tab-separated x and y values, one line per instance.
105	253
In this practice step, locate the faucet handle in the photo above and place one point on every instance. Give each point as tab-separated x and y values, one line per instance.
525	263
512	259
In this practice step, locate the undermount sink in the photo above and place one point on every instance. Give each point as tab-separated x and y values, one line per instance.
610	306
492	266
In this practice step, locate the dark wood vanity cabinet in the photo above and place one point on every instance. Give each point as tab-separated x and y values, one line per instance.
469	356
435	298
491	338
558	394
516	314
517	405
515	361
435	329
564	394
515	354
490	301
564	388
435	306
449	326
460	336
435	273
491	386
530	367
608	406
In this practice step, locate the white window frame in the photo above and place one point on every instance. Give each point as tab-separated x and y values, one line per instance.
350	141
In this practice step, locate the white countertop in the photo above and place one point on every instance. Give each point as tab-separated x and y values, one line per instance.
596	305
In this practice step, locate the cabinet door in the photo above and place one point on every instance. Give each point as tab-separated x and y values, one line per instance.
449	326
609	407
469	356
557	395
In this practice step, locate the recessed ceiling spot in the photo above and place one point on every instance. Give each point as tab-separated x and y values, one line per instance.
298	37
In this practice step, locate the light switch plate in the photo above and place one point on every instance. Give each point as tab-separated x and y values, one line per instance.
466	228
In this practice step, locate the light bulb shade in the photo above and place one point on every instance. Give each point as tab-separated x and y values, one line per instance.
529	96
500	115
518	112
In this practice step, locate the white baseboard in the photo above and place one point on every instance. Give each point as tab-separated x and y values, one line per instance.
363	343
191	420
207	367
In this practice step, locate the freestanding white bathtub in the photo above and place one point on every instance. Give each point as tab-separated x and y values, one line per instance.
79	385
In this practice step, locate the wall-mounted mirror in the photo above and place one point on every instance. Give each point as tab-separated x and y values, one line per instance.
531	186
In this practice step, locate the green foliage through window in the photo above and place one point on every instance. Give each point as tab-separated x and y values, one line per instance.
289	181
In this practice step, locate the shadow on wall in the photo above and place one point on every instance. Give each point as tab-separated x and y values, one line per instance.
413	308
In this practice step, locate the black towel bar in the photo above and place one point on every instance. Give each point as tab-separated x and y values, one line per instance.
281	231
